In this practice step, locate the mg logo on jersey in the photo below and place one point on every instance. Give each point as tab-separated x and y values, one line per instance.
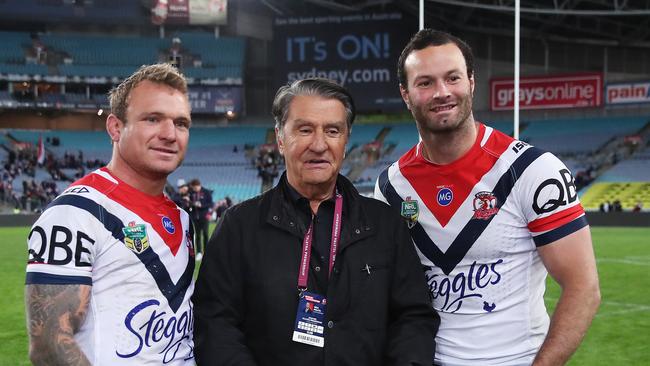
168	225
485	205
410	211
444	196
135	237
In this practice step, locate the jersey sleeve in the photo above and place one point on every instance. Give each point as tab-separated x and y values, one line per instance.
378	194
63	243
549	200
380	186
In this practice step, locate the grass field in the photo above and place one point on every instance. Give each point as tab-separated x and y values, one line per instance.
620	334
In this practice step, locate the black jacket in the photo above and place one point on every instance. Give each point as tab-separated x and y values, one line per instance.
200	204
246	296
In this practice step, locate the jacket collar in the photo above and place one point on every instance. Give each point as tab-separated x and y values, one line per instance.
282	213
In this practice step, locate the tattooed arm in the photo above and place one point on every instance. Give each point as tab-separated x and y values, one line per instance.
54	314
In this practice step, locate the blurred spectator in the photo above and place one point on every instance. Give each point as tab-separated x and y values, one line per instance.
583	177
605	206
200	207
638	207
80	172
222	206
617	207
38	52
182	197
180	57
267	161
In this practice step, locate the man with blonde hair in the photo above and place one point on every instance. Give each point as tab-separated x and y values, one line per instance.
109	273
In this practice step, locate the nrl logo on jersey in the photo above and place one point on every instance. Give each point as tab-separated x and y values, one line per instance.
485	205
135	237
410	211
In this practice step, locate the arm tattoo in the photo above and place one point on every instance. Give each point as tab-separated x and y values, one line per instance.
54	314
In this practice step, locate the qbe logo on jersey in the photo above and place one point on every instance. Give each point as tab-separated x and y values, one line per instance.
444	196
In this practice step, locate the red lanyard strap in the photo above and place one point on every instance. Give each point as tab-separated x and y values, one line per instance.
303	273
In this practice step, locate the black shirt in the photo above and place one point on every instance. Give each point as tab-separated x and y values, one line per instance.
322	235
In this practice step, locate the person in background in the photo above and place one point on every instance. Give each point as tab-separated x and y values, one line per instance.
182	196
201	211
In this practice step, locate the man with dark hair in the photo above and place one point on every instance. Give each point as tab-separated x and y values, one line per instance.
311	272
110	261
489	216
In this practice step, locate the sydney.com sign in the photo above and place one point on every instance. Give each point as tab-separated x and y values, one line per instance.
359	51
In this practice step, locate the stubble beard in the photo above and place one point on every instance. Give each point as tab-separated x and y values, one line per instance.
428	125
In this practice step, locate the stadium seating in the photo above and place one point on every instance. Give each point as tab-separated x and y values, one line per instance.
12	50
120	71
404	136
364	133
119	56
105	50
628	193
225	51
630	170
210	156
23	69
568	136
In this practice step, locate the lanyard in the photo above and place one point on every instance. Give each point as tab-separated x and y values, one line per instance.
303	273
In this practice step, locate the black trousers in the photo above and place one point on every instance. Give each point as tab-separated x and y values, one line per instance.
201	227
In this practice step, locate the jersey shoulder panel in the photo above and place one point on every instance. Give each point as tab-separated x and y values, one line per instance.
65	239
549	200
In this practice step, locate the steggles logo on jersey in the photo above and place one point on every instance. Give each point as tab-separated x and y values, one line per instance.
410	211
485	205
449	292
445	196
168	225
150	324
135	237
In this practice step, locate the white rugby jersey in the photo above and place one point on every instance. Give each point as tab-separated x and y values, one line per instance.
476	224
136	252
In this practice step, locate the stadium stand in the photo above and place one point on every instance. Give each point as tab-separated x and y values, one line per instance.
106	57
217	156
629	194
13	47
568	136
82	55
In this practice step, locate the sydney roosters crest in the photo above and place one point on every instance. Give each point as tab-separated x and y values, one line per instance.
485	205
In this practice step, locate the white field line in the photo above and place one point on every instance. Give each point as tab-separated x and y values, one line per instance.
636	262
638	257
630	308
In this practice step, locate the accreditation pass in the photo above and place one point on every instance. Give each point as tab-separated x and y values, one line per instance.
309	320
